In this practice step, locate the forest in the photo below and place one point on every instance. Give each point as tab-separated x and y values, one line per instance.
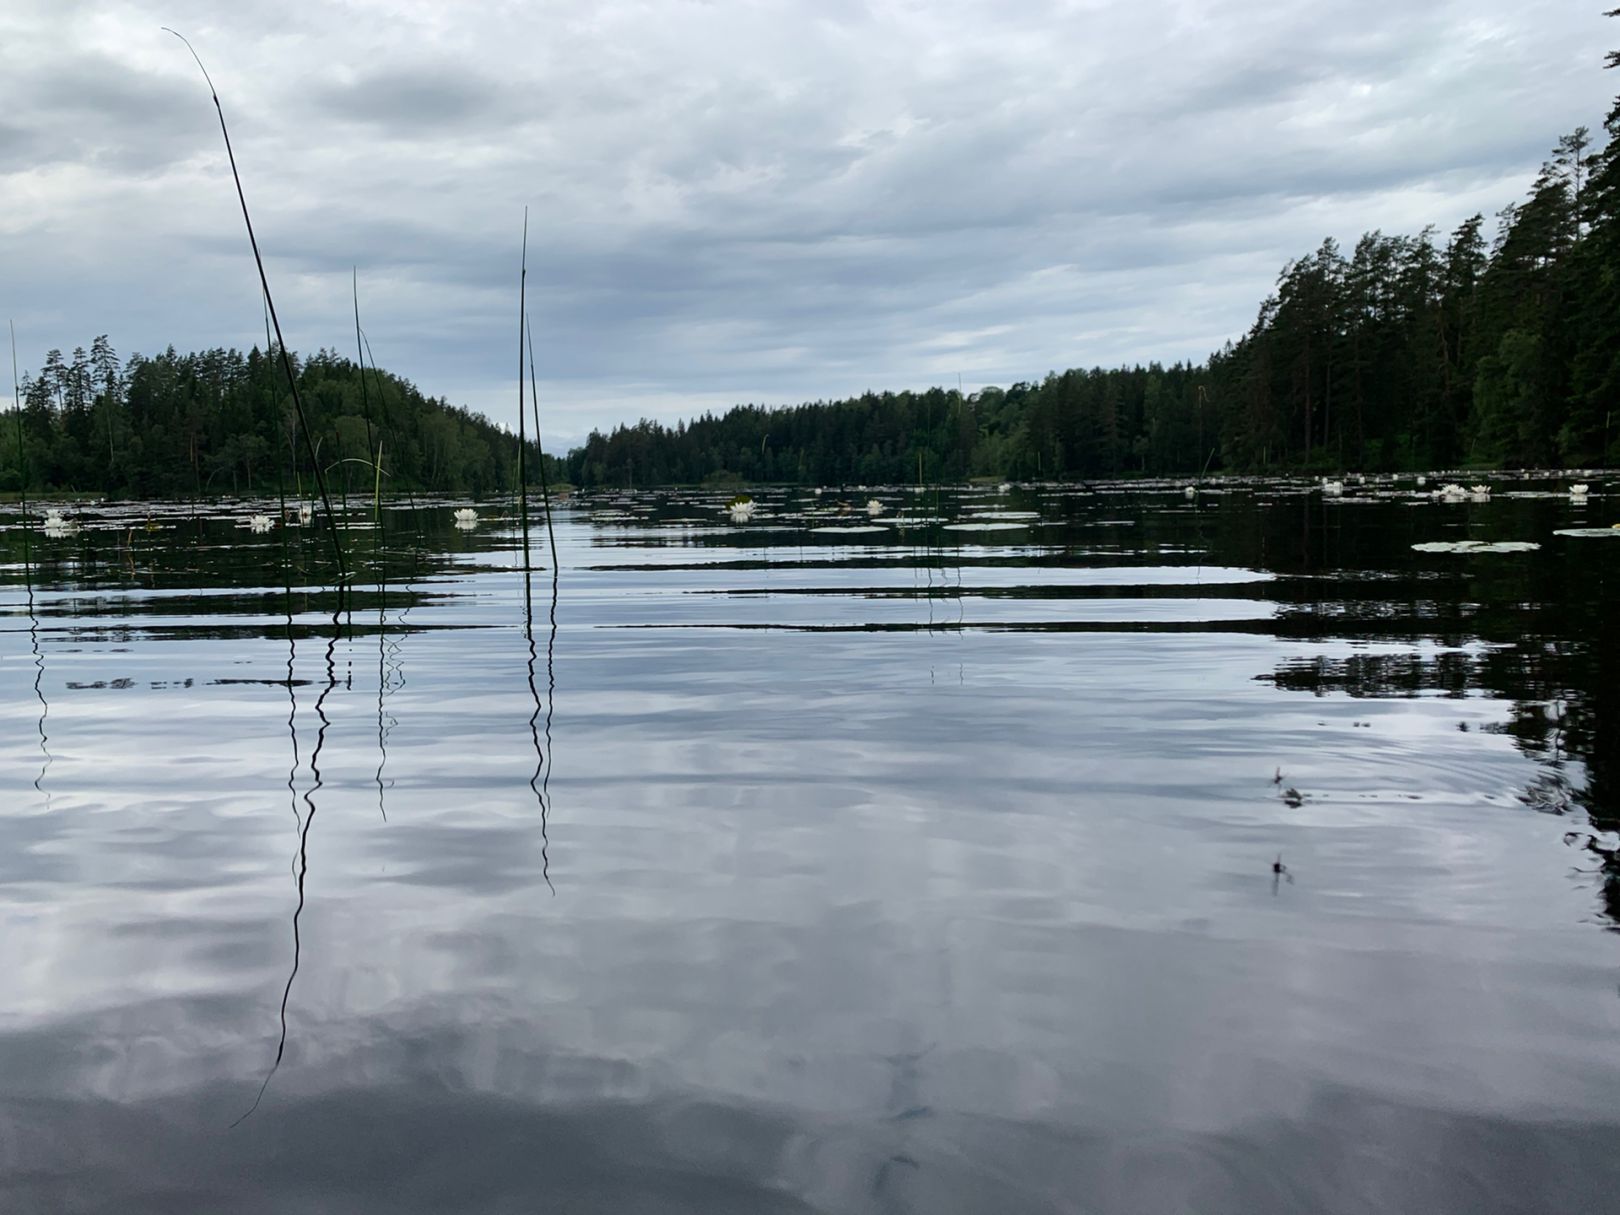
1486	347
223	422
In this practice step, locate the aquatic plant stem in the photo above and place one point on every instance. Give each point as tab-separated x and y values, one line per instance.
270	303
523	442
22	456
373	444
545	483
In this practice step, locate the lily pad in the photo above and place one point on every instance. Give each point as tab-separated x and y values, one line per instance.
1589	531
1476	546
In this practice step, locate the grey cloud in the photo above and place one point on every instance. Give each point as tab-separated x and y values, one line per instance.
93	109
411	98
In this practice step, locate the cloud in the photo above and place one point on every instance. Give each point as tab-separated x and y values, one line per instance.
737	201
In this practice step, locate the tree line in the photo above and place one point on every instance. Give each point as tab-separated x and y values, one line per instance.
221	421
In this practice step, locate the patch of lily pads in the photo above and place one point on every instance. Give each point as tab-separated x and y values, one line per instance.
1590	532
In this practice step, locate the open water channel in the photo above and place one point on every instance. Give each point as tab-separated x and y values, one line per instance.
816	862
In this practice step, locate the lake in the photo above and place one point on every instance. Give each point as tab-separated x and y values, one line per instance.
816	861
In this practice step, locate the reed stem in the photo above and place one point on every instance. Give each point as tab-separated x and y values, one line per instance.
545	484
523	442
373	444
270	303
22	456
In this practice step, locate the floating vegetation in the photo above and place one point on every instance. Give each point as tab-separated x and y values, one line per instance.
856	530
1589	532
466	515
260	523
1333	489
57	526
1476	546
1003	515
741	509
1578	492
874	507
986	527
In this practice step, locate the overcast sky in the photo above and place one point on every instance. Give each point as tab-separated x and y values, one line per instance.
730	201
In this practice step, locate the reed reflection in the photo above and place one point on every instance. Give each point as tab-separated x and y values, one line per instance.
540	779
540	782
306	821
39	693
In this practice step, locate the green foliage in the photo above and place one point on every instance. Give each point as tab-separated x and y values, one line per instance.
220	421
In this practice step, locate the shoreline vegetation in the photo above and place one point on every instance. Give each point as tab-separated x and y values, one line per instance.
1409	353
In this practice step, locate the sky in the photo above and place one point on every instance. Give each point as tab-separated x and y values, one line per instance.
730	201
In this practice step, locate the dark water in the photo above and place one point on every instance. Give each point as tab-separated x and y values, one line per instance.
914	870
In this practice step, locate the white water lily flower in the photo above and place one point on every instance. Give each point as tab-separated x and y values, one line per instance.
1578	491
1333	489
1480	491
466	515
742	510
874	507
260	523
57	526
1450	492
1191	491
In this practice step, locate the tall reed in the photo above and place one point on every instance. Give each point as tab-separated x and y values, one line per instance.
373	444
281	342
545	483
22	456
523	442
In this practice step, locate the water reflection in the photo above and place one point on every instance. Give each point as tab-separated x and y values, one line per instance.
39	694
305	824
540	778
837	937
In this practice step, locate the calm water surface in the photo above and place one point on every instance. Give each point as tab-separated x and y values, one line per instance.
778	868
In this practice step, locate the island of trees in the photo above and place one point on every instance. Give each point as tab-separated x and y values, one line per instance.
1493	349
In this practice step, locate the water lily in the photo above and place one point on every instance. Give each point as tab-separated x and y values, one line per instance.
1191	491
741	510
57	526
1333	489
1479	491
874	507
1450	492
1476	546
260	523
1578	491
466	515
